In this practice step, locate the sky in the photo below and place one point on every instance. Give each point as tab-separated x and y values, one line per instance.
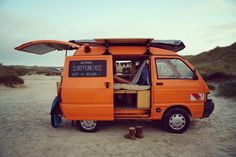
200	24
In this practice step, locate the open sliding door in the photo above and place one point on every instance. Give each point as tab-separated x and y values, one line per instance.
87	88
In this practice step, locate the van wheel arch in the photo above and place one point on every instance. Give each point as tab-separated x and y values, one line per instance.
177	106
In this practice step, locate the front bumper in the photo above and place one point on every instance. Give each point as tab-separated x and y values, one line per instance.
208	108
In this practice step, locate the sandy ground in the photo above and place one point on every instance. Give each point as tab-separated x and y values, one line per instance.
25	130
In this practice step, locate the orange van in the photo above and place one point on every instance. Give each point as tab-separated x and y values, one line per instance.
129	79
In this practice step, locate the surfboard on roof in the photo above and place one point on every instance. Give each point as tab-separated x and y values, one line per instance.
46	46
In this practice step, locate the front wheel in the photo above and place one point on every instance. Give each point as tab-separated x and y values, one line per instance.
176	120
88	125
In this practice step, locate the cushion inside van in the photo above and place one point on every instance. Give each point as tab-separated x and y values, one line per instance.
118	86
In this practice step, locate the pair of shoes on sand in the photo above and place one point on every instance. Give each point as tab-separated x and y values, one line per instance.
135	132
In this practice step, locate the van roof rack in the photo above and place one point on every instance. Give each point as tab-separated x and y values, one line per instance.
172	45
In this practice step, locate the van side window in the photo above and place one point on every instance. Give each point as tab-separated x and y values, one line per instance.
173	69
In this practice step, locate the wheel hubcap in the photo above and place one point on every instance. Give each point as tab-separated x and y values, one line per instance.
88	124
177	121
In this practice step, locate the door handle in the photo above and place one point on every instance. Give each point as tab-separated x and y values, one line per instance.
159	83
107	84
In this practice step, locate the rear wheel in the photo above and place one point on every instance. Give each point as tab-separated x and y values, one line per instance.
176	120
88	125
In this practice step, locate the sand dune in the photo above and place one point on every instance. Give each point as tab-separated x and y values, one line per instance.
25	130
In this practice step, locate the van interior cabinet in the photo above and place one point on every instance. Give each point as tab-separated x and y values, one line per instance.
143	99
132	99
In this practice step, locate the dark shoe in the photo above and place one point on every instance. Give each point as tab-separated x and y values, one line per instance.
139	131
131	134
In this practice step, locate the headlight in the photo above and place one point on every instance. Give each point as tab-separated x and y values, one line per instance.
208	97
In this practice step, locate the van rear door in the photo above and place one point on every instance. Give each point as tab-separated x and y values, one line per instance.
87	88
45	46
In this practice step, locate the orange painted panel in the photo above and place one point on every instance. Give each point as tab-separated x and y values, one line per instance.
87	111
88	97
94	96
176	92
159	51
196	109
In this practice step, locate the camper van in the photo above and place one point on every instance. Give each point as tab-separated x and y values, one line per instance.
126	79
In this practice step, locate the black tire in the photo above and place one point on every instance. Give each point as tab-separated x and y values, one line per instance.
90	127
55	120
176	120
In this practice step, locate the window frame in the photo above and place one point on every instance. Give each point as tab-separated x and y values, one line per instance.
156	58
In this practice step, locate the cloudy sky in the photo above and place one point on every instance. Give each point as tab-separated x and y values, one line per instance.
201	24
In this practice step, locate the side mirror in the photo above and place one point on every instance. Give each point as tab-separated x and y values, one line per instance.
195	75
